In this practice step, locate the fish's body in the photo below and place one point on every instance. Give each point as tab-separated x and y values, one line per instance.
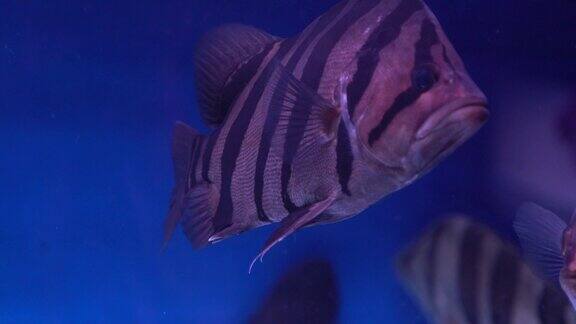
316	128
461	272
550	245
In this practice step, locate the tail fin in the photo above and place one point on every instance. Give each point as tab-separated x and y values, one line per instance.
185	147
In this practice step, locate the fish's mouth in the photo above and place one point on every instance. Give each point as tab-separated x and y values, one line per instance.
472	110
446	129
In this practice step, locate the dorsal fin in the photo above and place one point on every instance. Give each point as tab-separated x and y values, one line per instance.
220	53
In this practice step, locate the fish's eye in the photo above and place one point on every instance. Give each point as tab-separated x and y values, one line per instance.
424	77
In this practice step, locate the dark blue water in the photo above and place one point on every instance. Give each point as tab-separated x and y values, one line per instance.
89	91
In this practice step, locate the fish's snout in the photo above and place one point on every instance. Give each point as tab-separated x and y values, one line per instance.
465	87
460	102
450	78
474	114
445	129
465	110
471	102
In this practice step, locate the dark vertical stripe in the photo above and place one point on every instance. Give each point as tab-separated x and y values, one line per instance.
196	158
504	286
553	306
233	145
469	272
369	55
431	261
231	93
368	59
428	38
273	115
238	82
403	100
312	76
264	148
344	159
190	178
208	149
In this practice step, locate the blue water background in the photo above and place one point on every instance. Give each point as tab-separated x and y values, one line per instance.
89	91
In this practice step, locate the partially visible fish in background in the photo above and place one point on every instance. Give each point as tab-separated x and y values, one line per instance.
532	156
307	293
463	273
316	128
550	245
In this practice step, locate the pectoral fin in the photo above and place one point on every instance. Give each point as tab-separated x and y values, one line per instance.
303	113
292	223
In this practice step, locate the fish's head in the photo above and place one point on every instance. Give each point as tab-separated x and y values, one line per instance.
420	103
569	246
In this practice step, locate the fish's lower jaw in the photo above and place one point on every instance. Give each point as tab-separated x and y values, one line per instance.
429	152
434	143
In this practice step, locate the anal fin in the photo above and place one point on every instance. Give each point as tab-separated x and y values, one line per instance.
197	214
292	223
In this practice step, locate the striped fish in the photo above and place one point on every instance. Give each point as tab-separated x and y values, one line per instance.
462	272
314	129
550	245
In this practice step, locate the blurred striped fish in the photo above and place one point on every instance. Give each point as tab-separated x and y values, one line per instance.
315	128
461	272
